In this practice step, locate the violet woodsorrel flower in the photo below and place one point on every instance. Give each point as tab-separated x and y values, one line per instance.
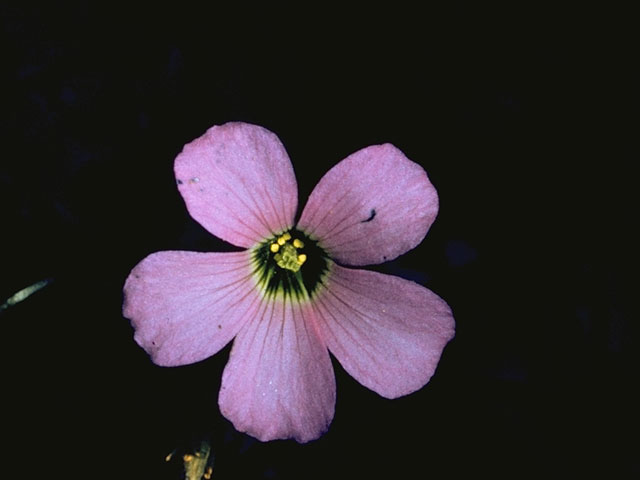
287	299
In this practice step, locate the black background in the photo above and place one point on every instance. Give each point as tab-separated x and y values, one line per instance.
522	131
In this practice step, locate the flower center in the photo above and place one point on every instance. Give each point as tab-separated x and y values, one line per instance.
290	265
286	254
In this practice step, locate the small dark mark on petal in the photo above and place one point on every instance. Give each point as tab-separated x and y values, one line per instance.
179	182
220	326
372	215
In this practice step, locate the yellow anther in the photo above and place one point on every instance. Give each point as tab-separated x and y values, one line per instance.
208	473
287	258
285	252
187	458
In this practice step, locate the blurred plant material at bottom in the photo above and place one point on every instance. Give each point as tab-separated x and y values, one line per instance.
197	462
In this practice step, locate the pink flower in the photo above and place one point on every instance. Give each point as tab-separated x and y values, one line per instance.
287	300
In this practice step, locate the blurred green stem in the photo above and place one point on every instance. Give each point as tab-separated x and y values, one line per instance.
25	293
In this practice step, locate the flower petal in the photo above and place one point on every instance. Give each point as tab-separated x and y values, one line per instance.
238	183
371	207
186	306
279	381
387	332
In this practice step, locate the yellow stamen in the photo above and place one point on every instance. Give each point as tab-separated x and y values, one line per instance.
287	258
286	255
187	458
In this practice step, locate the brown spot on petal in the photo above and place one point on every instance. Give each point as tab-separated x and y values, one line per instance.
372	215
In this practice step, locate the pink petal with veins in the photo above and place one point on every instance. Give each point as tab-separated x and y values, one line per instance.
238	183
371	207
387	332
186	306
279	381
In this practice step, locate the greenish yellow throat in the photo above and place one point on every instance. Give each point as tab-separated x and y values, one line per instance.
290	265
